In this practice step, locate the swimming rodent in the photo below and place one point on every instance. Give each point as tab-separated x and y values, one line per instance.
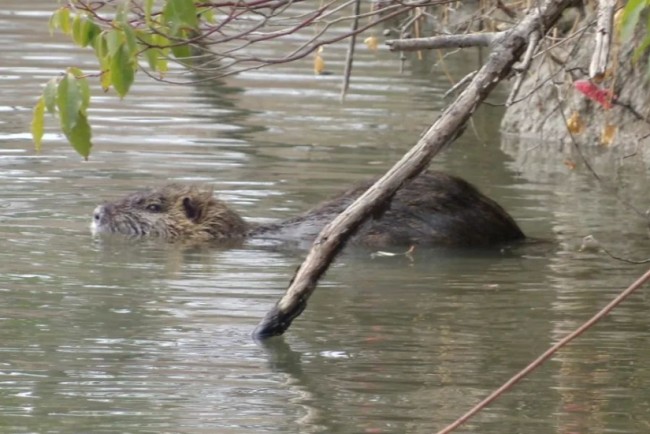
433	209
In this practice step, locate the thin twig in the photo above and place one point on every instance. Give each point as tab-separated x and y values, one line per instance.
460	84
525	64
350	55
511	14
591	243
548	353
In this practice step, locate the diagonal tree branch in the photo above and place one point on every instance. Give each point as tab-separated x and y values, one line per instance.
445	41
448	126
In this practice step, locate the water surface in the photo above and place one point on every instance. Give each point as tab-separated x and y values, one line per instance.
116	336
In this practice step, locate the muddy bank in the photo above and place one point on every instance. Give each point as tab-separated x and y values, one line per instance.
548	101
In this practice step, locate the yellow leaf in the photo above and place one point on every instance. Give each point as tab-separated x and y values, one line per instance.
148	8
574	124
55	21
570	164
49	95
372	43
319	63
608	134
65	21
618	21
105	80
162	66
37	123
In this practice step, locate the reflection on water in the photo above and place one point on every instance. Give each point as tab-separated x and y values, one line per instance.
117	336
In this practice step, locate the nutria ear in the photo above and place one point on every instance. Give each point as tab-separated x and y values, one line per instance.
192	208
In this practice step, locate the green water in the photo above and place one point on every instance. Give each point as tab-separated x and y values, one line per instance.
116	336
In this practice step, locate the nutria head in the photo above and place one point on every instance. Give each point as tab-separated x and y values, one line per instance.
173	212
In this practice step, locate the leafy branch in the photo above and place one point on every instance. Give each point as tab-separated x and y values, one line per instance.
213	38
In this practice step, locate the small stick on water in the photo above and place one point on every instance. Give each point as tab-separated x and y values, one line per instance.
381	253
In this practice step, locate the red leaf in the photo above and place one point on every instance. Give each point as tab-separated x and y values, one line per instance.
602	96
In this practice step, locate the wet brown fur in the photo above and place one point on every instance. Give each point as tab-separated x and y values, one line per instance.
173	212
432	209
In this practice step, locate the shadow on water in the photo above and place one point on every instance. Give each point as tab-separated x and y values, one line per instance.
217	93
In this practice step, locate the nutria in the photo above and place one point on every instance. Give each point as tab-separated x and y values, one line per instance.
433	209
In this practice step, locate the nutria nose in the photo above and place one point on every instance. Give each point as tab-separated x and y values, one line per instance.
97	213
100	213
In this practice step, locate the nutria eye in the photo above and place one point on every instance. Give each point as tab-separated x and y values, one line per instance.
154	207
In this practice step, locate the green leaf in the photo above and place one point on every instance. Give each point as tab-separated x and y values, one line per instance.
179	13
156	56
80	136
69	101
159	40
641	49
144	40
631	13
84	31
100	45
148	8
37	123
114	40
93	31
181	50
60	19
208	16
162	65
152	58
122	72
76	29
49	94
105	80
64	21
55	21
84	88
101	51
131	40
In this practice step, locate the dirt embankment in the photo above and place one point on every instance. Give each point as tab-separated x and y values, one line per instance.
551	113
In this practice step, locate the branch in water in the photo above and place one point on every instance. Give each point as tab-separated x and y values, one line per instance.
445	41
448	126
